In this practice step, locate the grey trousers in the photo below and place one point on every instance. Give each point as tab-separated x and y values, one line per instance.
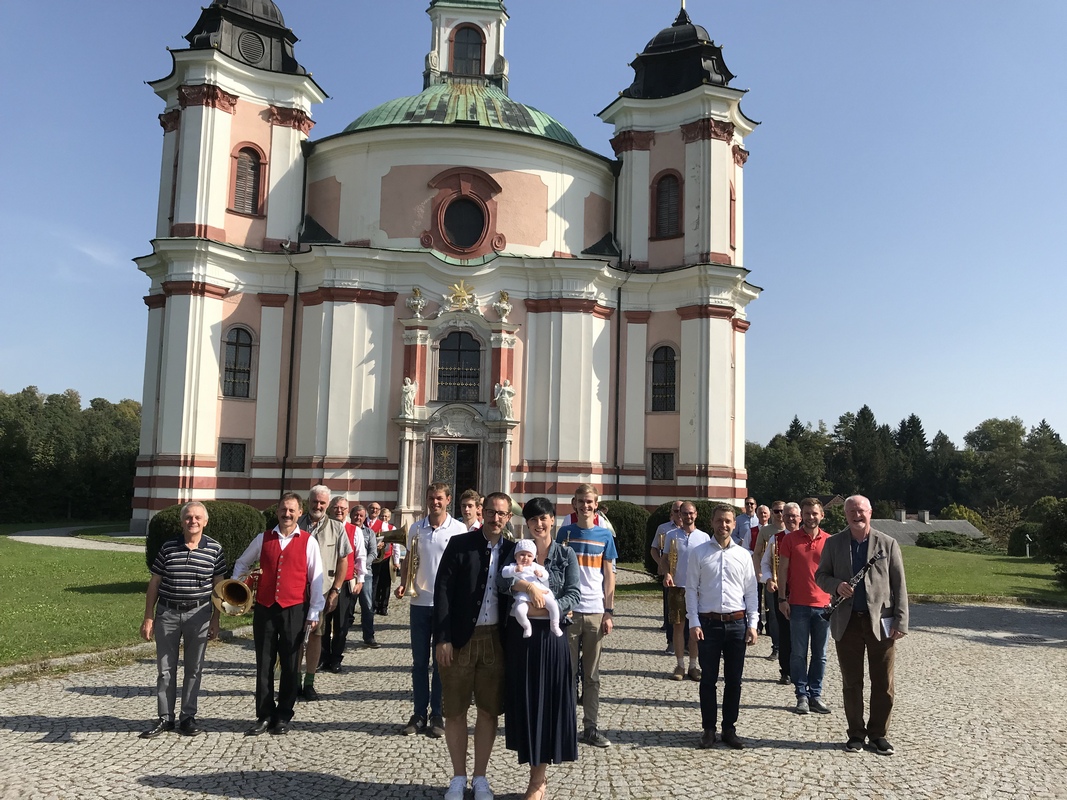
170	628
584	632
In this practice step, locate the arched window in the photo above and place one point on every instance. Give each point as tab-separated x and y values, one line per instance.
668	207
459	368
247	182
237	370
663	379
467	51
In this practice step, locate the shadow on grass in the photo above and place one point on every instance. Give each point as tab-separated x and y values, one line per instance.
129	587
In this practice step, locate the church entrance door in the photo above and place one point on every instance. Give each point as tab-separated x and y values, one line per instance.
455	464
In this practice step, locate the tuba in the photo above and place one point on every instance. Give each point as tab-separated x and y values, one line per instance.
413	567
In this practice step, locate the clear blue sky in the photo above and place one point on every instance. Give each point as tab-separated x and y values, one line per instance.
905	196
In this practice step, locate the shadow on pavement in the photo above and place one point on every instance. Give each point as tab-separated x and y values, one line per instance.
282	784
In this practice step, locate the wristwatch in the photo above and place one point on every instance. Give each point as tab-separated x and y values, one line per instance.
610	611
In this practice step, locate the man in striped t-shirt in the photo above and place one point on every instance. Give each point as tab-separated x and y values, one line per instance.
592	617
178	605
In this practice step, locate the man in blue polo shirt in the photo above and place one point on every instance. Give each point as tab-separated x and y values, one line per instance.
178	605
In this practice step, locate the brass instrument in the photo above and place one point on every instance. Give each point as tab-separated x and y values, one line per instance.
661	543
774	557
393	537
672	558
233	597
413	568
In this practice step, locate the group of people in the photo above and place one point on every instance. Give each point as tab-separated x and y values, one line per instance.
775	569
488	611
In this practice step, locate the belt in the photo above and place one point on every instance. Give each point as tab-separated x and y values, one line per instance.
189	606
732	616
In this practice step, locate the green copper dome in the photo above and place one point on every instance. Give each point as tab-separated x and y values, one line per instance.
464	104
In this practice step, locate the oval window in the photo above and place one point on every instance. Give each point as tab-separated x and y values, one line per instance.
464	223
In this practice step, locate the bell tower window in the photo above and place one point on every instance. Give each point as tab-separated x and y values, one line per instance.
468	48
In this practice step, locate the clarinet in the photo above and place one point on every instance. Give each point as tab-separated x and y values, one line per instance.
853	582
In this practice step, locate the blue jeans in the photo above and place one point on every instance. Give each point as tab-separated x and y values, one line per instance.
425	687
807	625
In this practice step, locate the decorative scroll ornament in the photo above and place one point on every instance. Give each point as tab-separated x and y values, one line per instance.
416	302
407	398
457	423
461	298
503	306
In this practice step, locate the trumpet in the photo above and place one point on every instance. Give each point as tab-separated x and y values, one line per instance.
672	558
413	568
774	557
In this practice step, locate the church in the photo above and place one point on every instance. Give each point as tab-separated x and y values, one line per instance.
452	288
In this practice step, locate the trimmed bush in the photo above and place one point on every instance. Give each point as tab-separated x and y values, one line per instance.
1017	542
233	525
630	521
949	540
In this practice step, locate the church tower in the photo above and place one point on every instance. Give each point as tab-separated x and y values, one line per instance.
238	109
679	138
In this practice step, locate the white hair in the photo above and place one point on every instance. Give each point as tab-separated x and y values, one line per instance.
319	489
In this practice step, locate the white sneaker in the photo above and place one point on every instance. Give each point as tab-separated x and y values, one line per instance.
480	784
457	788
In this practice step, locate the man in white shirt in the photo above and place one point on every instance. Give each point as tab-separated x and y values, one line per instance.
676	546
426	543
722	603
289	601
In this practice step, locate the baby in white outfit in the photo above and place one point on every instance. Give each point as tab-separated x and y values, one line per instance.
526	569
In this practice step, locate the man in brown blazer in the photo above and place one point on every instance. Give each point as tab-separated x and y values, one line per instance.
872	617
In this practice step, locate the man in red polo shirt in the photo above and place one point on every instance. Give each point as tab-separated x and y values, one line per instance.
289	600
802	602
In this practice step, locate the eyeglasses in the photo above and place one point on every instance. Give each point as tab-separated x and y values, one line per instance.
778	510
492	513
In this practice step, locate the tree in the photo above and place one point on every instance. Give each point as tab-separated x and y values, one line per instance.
786	470
998	447
1044	464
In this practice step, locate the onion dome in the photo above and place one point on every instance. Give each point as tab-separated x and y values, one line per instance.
250	31
679	58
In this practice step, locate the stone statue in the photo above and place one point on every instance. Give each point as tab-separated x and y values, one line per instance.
407	399
504	393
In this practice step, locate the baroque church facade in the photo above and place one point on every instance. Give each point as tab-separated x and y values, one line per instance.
450	289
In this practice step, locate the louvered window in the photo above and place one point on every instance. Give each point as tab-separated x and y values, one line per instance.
459	368
467	52
668	211
246	186
237	375
663	379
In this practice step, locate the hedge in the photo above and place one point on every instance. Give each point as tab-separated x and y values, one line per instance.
629	520
233	525
950	540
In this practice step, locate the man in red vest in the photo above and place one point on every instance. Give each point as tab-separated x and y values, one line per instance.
289	601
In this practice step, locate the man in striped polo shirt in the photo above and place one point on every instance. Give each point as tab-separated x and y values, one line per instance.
178	605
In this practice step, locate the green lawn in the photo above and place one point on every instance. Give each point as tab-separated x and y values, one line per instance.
943	572
55	601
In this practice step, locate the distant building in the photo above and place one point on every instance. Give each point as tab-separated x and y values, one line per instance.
451	288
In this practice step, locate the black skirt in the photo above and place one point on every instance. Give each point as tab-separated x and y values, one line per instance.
539	696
